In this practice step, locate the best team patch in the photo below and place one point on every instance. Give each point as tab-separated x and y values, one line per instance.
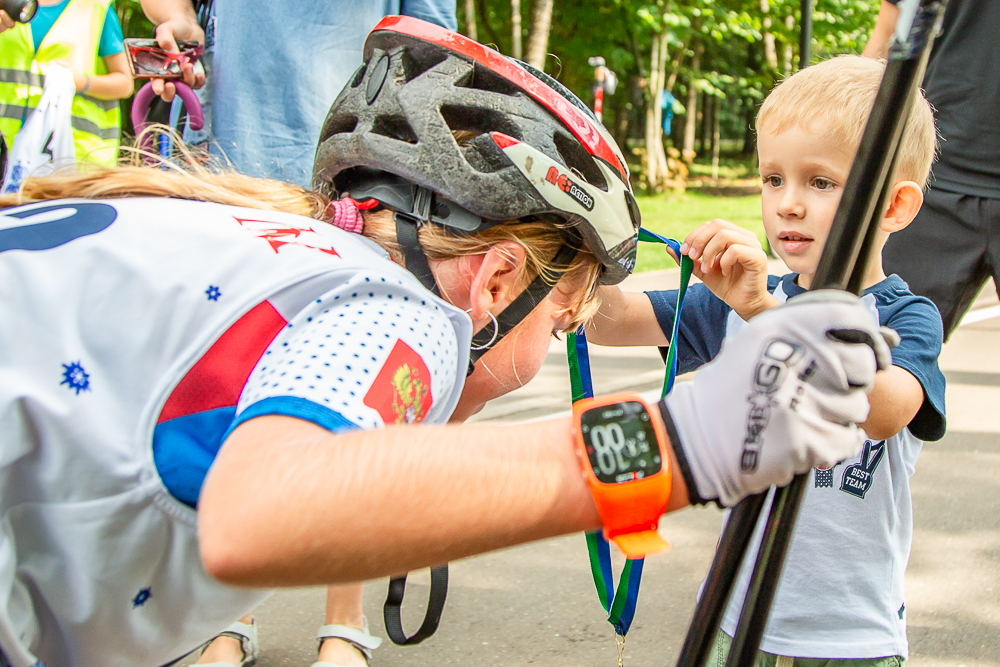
566	184
401	393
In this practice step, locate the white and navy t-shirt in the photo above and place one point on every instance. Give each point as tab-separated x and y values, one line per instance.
136	334
841	591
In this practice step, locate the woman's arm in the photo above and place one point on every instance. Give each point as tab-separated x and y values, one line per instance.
374	503
288	503
115	85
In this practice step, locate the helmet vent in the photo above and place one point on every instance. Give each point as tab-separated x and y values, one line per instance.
417	61
477	121
482	78
394	127
576	157
358	76
339	125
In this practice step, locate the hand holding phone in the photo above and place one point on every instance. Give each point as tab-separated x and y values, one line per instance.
148	60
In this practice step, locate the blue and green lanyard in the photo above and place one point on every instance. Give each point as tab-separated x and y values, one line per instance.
620	603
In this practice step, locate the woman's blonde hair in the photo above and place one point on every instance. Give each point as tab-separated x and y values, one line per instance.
838	95
540	240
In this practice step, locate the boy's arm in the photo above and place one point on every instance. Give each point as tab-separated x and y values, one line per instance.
625	318
895	400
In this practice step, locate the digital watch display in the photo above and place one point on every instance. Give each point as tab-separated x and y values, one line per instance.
621	443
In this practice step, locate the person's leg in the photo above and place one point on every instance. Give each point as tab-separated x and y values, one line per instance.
888	661
990	212
344	607
942	254
224	649
720	652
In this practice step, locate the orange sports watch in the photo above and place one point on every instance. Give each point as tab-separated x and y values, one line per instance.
622	448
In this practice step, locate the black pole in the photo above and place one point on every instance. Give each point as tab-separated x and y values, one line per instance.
805	33
842	265
719	582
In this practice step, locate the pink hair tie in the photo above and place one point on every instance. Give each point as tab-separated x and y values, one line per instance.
344	213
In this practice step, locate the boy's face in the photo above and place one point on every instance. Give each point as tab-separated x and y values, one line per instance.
804	174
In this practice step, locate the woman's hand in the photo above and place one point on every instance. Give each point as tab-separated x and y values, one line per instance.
6	22
731	263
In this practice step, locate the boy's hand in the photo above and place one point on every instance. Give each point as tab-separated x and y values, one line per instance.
731	263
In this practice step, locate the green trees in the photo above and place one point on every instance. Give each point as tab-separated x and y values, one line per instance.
718	58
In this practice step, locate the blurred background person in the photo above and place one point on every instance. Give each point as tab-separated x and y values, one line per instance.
953	246
278	67
84	36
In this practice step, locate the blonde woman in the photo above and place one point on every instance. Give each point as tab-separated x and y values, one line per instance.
209	391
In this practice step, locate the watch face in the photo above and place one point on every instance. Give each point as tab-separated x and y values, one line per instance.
621	442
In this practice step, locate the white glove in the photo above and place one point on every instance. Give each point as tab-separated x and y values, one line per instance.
785	395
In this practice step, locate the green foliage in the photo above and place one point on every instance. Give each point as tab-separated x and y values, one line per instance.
134	24
730	32
676	215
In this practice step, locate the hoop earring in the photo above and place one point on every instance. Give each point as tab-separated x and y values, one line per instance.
493	339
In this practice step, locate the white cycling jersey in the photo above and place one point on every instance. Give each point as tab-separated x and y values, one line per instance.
134	335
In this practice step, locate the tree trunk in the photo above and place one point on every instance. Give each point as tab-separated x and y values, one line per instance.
691	112
789	51
493	36
750	134
538	37
470	19
704	143
770	55
653	117
675	67
716	139
515	28
661	153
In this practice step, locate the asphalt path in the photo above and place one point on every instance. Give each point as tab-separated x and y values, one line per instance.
536	604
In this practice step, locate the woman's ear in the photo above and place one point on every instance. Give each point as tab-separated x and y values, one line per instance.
497	279
905	200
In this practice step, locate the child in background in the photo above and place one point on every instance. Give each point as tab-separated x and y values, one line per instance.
86	37
841	592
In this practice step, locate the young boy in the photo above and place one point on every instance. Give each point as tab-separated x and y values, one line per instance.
841	592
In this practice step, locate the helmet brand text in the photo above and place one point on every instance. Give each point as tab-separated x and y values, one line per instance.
566	184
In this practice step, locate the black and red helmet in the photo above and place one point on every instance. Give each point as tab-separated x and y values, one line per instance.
535	148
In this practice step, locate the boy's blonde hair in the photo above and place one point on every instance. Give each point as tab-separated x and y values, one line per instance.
838	94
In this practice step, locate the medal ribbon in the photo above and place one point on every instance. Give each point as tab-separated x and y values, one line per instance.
620	602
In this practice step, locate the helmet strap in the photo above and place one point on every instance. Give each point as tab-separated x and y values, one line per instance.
413	255
520	307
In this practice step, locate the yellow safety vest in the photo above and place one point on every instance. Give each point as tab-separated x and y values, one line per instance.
73	38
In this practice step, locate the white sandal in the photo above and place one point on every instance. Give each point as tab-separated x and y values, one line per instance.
246	634
359	639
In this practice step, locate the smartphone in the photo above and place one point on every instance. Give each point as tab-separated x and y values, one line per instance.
148	61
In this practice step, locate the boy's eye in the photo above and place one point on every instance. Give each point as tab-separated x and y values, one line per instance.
823	184
774	181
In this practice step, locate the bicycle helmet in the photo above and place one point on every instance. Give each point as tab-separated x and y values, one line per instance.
537	149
